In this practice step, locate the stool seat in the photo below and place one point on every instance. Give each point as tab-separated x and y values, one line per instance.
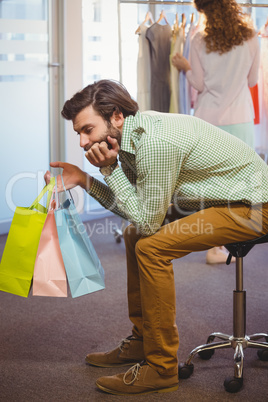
242	248
238	340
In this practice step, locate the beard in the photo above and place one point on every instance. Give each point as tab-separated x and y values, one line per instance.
112	132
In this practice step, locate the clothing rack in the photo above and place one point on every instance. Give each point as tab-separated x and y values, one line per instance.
174	2
180	2
159	2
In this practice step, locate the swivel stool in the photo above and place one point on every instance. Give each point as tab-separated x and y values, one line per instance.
239	340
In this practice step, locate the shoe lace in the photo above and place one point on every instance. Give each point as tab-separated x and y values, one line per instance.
123	342
134	370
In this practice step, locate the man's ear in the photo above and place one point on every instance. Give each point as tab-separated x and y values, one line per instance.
117	120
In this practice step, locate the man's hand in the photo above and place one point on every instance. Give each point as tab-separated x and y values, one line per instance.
72	176
100	155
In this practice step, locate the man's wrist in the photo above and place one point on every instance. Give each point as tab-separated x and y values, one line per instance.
108	170
86	182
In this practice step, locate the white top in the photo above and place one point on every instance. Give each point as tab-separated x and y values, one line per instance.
143	71
223	81
176	47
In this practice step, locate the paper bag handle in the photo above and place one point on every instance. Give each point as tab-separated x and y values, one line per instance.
56	197
48	188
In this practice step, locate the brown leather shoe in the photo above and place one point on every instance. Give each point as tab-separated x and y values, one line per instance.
128	352
139	379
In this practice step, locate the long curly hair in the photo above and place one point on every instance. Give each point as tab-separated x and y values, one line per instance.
226	25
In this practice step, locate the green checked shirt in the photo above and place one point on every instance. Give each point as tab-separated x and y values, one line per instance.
173	158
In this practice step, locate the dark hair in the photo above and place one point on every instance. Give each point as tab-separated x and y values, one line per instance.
202	4
105	96
226	25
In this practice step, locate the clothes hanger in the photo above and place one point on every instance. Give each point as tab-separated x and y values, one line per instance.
175	27
162	16
148	17
183	21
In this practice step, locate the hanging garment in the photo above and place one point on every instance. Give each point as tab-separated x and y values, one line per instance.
255	99
143	71
159	42
185	89
177	45
262	128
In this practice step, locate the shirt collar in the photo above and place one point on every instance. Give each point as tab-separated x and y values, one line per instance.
132	132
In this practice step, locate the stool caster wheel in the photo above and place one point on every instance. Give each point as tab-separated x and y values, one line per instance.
206	354
117	234
233	384
263	355
118	239
185	370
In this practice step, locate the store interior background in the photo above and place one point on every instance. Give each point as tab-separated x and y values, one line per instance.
50	50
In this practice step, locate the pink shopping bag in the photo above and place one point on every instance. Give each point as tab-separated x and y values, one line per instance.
49	277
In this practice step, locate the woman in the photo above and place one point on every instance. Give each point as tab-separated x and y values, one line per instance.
224	63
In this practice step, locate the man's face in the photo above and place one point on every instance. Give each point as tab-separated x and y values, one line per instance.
92	128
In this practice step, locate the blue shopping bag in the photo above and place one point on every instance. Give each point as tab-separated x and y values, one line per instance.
83	268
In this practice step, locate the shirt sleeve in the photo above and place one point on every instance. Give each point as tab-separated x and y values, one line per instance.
105	197
255	52
146	204
195	76
103	194
129	172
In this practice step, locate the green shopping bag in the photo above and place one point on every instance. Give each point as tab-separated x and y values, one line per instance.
17	264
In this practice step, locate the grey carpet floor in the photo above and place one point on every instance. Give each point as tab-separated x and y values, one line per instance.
43	341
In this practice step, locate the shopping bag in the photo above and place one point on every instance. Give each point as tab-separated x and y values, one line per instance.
49	278
83	268
17	264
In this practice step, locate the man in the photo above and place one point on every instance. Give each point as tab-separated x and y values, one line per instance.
186	186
